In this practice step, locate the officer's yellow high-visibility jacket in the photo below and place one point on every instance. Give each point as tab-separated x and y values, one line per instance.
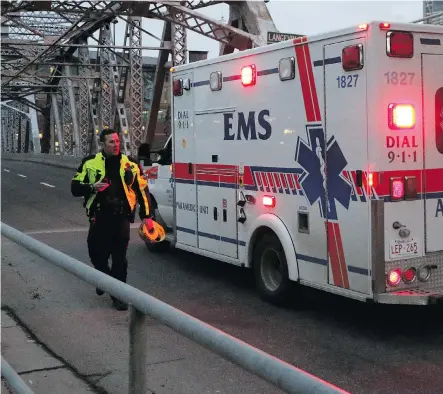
92	170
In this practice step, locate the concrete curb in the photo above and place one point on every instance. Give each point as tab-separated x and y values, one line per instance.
70	162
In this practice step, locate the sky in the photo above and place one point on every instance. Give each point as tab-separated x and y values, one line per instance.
299	17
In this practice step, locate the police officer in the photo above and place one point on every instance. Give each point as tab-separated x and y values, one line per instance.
111	182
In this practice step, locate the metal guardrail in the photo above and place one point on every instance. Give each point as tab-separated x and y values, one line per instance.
14	380
435	17
277	372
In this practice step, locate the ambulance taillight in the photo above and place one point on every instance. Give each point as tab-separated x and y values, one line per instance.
394	277
177	87
248	75
401	116
410	188
409	275
399	44
397	189
424	273
370	179
269	201
352	57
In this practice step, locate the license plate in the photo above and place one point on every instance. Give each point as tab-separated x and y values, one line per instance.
400	248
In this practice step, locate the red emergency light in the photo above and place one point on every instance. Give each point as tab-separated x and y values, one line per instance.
409	275
401	116
399	44
397	189
370	179
177	87
384	26
352	57
269	201
248	75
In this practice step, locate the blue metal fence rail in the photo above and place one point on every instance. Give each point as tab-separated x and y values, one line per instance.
279	373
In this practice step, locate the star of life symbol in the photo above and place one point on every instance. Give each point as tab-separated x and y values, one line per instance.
318	183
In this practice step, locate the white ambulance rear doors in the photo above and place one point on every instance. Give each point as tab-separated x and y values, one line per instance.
432	79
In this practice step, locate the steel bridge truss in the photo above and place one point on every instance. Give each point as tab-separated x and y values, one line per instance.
50	73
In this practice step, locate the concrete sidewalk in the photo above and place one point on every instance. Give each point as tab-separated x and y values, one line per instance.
42	372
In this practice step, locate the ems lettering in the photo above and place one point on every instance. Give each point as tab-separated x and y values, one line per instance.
402	142
439	210
247	126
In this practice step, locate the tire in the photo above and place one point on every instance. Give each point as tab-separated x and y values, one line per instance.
156	247
271	270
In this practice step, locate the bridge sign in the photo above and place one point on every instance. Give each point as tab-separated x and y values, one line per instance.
274	36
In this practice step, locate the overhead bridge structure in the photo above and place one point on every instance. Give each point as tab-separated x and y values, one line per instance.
63	78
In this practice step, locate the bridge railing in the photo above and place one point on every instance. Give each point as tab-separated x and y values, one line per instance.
15	382
277	372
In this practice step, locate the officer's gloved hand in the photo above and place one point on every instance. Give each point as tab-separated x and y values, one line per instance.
100	186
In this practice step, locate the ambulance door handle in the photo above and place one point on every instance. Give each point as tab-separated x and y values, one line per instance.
215	213
225	215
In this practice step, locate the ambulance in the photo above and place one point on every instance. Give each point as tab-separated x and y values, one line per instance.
314	162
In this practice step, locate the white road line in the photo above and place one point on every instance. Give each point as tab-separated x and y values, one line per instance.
46	184
4	169
23	176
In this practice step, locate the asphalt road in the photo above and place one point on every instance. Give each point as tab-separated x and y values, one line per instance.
358	347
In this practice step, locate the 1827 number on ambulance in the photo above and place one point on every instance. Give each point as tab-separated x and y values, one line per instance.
403	248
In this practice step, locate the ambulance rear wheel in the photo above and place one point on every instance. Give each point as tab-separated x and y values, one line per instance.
271	270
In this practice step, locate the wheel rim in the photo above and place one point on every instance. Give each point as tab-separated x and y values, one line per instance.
271	269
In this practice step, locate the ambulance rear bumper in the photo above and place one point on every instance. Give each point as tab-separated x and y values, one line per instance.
411	297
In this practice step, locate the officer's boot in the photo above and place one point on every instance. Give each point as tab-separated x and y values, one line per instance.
119	305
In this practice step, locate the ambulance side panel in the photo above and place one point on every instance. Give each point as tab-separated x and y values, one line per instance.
185	198
250	146
246	150
347	167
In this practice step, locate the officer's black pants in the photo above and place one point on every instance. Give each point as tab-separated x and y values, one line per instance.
109	236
